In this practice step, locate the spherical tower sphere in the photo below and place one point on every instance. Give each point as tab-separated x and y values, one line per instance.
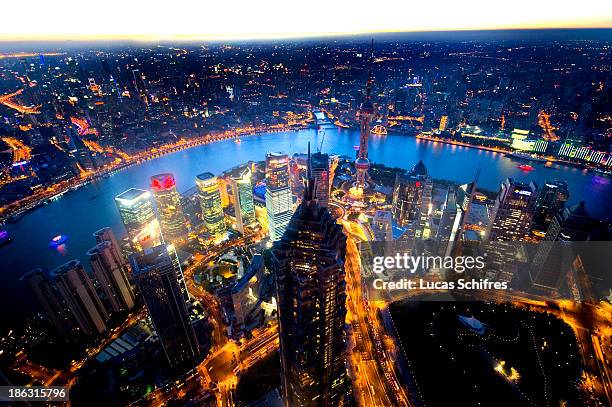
362	163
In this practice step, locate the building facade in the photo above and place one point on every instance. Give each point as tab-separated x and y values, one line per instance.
157	279
279	200
139	219
211	205
169	207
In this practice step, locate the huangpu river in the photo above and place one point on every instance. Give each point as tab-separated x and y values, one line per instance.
80	213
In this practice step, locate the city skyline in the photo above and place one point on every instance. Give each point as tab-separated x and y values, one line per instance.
309	223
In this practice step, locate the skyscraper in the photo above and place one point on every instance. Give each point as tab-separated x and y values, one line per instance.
408	195
366	114
320	173
244	208
449	224
551	199
279	200
310	278
382	226
572	224
169	208
142	226
156	276
50	300
106	235
211	205
79	294
512	213
109	270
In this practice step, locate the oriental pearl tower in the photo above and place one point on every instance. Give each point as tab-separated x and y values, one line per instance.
366	114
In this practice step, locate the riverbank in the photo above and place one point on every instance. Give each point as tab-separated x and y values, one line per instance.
508	151
15	210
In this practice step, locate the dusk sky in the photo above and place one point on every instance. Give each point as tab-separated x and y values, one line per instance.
208	20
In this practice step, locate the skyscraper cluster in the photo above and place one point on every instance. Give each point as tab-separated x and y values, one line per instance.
74	300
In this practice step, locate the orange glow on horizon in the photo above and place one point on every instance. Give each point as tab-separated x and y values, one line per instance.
274	19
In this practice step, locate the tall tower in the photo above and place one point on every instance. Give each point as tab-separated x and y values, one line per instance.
157	278
551	200
50	300
77	291
366	114
279	200
244	208
310	278
108	269
573	224
142	226
169	207
512	213
211	205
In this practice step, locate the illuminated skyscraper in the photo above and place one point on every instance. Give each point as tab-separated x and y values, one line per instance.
169	208
244	208
50	300
79	294
320	174
449	224
225	201
211	205
139	219
310	278
409	195
512	213
157	278
279	201
551	199
443	123
366	114
109	270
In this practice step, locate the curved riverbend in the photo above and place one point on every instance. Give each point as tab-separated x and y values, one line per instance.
78	214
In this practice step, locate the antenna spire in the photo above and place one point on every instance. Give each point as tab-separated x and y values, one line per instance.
370	80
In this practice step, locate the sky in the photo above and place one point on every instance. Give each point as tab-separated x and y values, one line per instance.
156	20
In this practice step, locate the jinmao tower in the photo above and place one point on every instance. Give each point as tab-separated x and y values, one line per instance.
310	278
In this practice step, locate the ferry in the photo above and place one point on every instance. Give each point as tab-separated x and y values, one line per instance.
237	141
5	238
58	240
525	167
526	156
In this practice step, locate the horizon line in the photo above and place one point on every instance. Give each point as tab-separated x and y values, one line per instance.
152	38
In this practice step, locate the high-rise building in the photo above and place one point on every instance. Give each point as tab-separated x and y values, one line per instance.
512	214
109	270
139	219
310	278
572	224
382	226
169	207
408	195
319	163
366	114
449	224
78	292
156	277
211	205
443	123
279	200
50	300
106	235
244	208
225	201
551	199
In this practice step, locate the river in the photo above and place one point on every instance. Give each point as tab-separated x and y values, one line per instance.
78	214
